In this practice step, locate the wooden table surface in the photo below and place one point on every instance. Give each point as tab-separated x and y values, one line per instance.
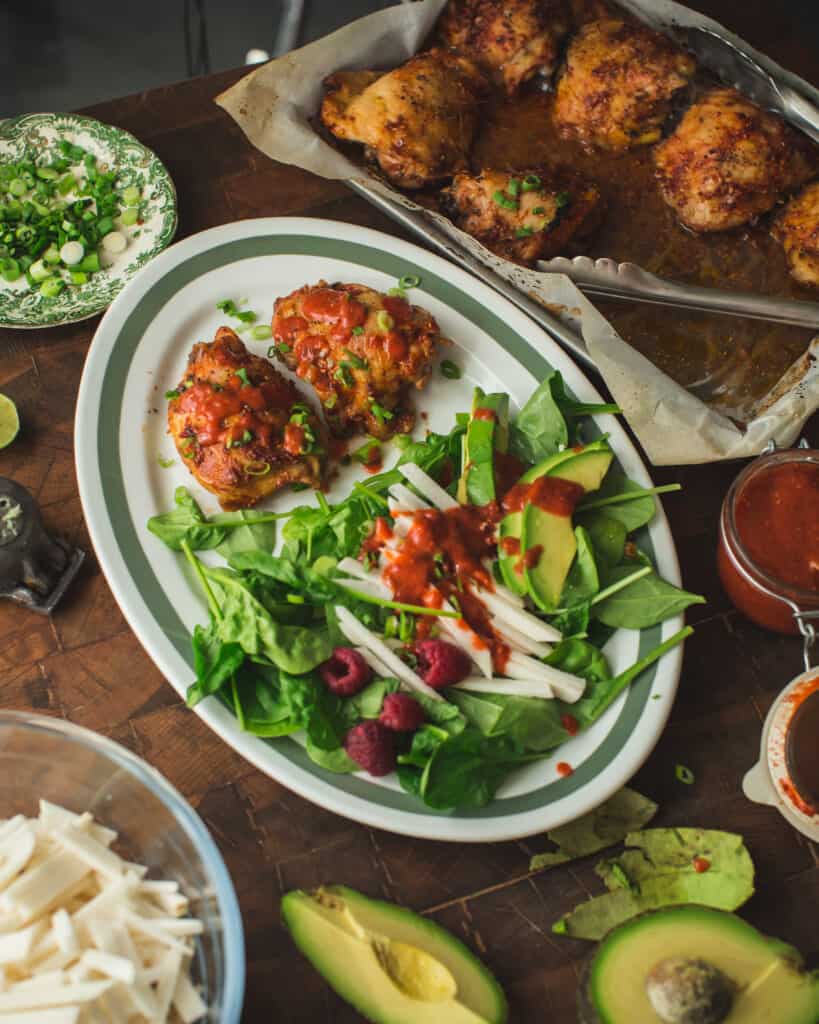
86	665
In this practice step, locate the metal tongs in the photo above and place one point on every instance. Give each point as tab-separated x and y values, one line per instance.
606	277
612	280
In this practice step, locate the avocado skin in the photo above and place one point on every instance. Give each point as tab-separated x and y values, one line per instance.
590	1012
392	921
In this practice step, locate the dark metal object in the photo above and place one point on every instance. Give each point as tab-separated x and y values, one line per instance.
35	568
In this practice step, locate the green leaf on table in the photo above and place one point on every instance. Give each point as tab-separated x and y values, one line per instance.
606	825
645	602
662	867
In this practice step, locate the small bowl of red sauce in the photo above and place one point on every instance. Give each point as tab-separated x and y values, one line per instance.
768	554
787	773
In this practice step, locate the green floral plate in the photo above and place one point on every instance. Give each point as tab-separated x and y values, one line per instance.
113	148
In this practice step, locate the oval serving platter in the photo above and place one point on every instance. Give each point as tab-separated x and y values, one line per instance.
39	134
123	450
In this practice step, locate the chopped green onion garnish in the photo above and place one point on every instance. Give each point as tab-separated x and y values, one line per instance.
530	183
365	453
342	374
78	277
130	216
384	320
513	188
409	281
261	332
165	463
450	370
131	195
397	293
170	395
524	232
227	306
52	287
380	413
539	210
241	373
331	400
402	441
503	200
356	362
562	199
684	774
257	468
247	316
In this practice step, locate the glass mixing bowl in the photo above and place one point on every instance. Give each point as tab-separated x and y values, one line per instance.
48	758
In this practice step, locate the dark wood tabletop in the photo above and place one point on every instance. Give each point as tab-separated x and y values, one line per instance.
85	664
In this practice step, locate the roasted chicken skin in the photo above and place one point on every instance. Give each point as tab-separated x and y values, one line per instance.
362	351
797	228
727	162
513	39
242	428
618	83
524	216
417	121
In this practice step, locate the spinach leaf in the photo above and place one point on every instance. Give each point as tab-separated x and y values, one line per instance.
581	659
582	581
606	534
532	724
425	741
645	602
466	770
290	577
217	671
185	522
574	621
331	760
570	407
631	514
246	621
250	529
368	703
539	429
441	713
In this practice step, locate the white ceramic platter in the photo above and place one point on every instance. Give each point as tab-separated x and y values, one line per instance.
140	351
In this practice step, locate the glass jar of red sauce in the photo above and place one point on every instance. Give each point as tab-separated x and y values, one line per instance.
768	554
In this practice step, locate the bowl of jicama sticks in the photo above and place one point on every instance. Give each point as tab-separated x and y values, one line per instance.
115	903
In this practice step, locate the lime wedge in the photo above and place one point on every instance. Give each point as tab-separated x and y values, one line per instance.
9	421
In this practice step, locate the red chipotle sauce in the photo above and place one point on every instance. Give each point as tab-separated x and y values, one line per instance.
802	749
549	493
236	403
769	538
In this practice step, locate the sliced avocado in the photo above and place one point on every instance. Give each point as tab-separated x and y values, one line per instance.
554	534
392	965
695	965
487	432
512	524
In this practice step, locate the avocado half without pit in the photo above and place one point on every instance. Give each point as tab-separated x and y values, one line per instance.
392	965
695	965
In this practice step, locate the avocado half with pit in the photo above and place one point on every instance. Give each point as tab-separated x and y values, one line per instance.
392	965
549	536
695	965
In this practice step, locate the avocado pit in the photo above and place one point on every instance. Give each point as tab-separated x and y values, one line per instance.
685	990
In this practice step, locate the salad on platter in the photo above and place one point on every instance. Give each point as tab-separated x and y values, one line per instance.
447	620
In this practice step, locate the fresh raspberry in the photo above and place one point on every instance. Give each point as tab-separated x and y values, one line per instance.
371	745
345	672
401	713
441	664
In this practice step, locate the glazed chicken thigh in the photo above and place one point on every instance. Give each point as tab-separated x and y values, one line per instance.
417	121
514	40
797	228
242	428
362	351
617	87
524	216
728	161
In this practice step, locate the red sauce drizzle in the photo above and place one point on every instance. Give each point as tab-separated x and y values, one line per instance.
399	309
330	306
440	558
510	546
395	346
508	470
294	439
235	402
701	865
532	556
570	724
550	493
564	768
287	328
482	413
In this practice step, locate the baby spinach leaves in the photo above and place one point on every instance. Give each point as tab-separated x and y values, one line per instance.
226	531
